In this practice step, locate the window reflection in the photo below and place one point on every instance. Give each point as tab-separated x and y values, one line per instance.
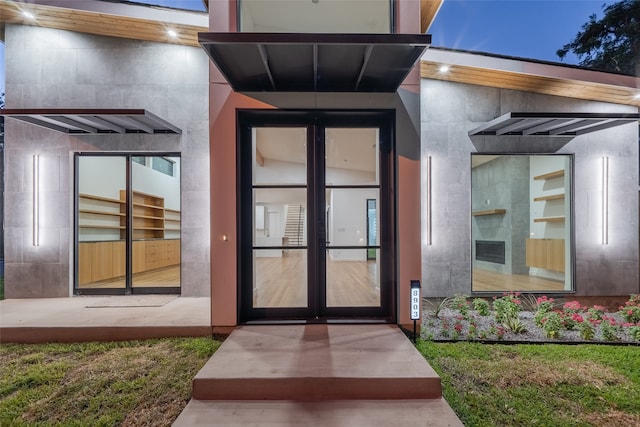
521	223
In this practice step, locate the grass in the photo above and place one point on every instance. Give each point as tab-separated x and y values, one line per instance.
141	383
539	385
131	383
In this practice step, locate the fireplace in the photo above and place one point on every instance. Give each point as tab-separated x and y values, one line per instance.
490	251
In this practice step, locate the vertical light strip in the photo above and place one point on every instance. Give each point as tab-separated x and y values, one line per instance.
36	200
605	200
429	240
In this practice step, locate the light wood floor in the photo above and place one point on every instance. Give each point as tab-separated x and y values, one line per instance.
485	280
282	282
160	278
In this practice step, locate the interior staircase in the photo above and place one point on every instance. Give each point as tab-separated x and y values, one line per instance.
294	225
317	375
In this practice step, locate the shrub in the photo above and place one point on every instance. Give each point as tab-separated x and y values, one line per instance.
461	304
596	312
481	306
515	325
634	331
437	305
571	315
609	329
552	324
507	306
631	309
544	305
587	330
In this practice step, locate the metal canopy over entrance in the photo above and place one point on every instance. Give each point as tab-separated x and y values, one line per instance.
277	62
553	124
94	121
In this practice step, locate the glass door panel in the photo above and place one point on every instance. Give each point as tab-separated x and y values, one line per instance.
352	192
280	278
352	281
101	223
351	156
279	224
155	207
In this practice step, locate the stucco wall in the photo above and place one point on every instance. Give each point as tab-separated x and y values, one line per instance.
450	110
48	68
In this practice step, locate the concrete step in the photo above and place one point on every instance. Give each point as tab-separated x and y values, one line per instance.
316	362
344	413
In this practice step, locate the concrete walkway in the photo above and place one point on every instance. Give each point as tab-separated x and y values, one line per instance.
103	318
317	375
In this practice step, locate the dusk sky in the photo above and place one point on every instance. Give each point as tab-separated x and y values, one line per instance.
533	29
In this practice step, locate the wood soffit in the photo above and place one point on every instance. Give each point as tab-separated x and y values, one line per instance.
99	23
428	11
564	87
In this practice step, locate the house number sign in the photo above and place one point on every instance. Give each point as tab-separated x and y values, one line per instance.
415	300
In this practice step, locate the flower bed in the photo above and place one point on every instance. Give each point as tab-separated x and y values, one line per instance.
526	318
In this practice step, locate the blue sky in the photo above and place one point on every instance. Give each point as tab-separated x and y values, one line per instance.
533	29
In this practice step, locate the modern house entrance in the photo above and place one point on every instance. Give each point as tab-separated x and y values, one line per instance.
306	179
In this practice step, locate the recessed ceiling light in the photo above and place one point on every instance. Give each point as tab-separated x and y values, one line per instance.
637	96
444	69
28	14
172	33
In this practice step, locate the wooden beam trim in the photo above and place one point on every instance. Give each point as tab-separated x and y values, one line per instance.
537	84
103	24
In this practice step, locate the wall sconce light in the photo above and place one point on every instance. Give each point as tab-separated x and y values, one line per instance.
36	200
605	200
429	240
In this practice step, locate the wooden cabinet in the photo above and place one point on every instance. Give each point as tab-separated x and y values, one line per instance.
100	261
546	253
105	260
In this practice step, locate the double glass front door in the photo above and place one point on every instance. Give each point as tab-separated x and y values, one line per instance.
316	215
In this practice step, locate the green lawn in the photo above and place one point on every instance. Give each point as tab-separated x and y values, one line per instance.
140	383
137	383
539	385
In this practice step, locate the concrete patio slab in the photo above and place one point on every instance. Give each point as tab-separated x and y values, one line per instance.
102	318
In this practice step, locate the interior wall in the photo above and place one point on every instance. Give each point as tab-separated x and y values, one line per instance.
450	110
52	68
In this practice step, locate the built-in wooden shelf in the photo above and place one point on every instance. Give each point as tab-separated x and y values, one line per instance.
105	213
550	219
551	197
489	212
104	227
100	198
550	175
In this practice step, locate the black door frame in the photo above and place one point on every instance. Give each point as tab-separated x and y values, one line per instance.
316	121
128	289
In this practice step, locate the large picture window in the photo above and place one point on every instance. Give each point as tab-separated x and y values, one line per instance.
127	224
521	223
